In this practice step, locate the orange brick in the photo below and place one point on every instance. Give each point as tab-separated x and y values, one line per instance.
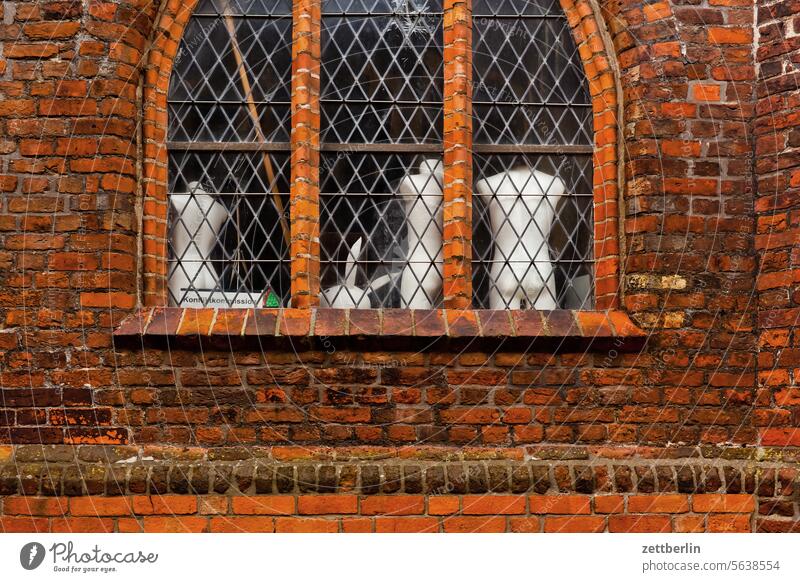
263	505
406	524
493	504
639	523
356	525
327	504
664	503
723	503
305	525
35	505
82	525
706	92
213	504
100	506
719	35
609	504
525	524
726	522
657	11
129	525
24	524
183	524
575	524
164	504
393	505
443	505
560	504
242	525
690	524
474	524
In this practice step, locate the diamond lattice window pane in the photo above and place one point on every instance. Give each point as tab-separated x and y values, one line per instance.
381	230
381	209
207	97
229	211
382	78
244	7
227	244
532	214
374	7
532	238
530	87
489	8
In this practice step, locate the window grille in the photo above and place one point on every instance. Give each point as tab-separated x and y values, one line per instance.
381	161
229	110
381	185
532	123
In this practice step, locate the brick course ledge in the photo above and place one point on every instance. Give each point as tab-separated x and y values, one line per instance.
468	323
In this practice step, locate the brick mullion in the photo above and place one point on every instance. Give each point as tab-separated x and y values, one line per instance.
457	240
304	196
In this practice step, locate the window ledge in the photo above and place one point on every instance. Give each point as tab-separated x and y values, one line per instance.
296	323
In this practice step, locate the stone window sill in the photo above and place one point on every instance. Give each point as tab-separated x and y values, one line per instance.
435	323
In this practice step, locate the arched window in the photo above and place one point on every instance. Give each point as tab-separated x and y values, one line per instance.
368	115
229	127
381	134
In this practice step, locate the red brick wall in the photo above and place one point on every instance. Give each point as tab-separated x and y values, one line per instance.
708	269
380	514
284	489
777	206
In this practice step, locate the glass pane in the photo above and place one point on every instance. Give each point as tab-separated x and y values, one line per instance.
227	244
355	7
532	214
382	79
207	96
381	230
381	210
482	8
244	7
529	83
533	228
229	211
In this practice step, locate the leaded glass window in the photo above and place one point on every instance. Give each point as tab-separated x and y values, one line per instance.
532	123
381	174
229	126
381	190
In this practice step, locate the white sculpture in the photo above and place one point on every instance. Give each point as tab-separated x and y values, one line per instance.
194	281
347	295
193	238
421	280
521	206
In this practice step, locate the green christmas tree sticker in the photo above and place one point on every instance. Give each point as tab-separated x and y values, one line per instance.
272	299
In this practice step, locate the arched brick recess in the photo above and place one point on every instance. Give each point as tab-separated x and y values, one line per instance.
603	84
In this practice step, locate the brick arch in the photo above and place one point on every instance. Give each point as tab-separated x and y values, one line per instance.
165	40
596	53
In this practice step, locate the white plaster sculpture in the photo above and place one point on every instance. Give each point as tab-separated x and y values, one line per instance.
421	280
194	281
347	295
521	206
193	238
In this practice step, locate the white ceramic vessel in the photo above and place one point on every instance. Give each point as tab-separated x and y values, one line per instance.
521	206
347	295
421	280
